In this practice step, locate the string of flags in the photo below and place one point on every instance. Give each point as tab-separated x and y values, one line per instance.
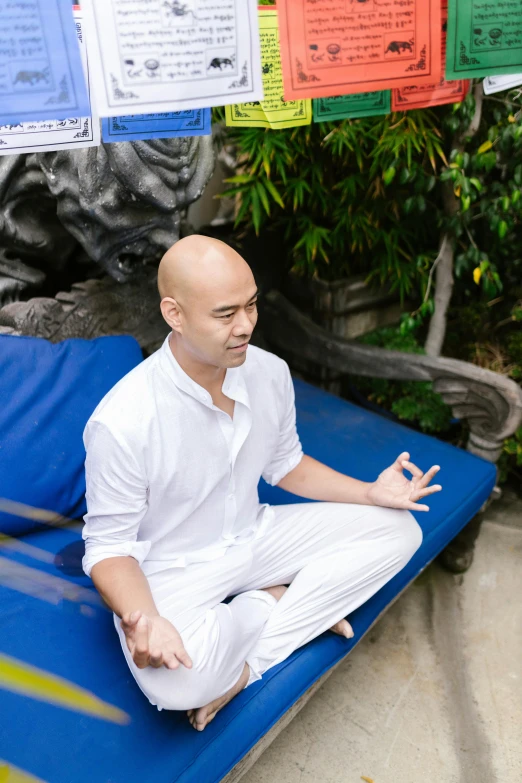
121	70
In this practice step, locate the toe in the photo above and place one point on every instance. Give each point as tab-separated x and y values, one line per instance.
343	628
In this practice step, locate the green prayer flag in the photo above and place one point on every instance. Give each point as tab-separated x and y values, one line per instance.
484	38
362	104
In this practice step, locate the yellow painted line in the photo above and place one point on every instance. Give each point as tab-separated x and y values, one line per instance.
36	515
31	512
11	774
21	677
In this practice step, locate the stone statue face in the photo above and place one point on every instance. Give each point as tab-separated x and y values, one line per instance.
29	226
121	202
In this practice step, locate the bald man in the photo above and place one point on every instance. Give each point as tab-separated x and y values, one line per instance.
210	588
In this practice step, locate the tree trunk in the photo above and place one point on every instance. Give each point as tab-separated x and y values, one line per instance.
443	292
444	260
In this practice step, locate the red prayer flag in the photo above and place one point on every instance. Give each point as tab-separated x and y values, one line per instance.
415	96
339	47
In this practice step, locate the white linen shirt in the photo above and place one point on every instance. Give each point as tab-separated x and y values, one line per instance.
171	478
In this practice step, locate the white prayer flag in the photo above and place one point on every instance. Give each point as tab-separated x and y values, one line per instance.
62	134
494	84
151	56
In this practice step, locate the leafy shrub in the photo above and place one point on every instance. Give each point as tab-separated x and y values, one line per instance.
371	196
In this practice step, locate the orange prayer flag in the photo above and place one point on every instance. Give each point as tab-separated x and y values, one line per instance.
419	96
338	47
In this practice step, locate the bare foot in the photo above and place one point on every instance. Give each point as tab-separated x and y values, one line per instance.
278	591
200	717
343	628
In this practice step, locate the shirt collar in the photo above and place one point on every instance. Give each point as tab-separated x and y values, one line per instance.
234	385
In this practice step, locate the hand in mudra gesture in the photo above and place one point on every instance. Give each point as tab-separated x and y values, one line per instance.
153	641
394	490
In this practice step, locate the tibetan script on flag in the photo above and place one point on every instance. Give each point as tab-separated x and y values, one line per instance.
273	111
61	134
134	127
41	74
484	38
151	56
335	47
361	104
419	96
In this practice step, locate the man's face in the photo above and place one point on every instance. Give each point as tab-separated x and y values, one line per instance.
222	318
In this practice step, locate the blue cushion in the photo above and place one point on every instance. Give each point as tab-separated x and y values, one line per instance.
47	393
77	640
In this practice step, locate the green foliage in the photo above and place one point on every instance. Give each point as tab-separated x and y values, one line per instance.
475	335
486	177
370	195
339	189
374	196
512	454
412	401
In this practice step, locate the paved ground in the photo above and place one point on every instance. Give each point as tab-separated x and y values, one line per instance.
434	693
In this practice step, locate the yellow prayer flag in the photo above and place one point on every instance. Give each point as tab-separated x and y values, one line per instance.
273	111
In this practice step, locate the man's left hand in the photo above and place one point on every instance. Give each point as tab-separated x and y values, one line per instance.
394	490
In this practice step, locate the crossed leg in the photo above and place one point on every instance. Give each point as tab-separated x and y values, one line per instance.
335	557
200	717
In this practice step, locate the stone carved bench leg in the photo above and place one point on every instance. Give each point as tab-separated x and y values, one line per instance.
458	555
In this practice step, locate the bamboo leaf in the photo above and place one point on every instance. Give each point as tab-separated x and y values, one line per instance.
263	196
239	179
274	193
256	211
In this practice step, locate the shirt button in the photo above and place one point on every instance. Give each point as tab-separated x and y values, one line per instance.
231	496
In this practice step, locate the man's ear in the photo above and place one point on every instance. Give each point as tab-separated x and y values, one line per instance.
171	313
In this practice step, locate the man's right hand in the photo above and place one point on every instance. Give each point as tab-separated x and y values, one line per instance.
153	641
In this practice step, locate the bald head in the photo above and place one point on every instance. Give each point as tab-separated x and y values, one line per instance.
209	300
197	264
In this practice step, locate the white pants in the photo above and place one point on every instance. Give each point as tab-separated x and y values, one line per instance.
334	556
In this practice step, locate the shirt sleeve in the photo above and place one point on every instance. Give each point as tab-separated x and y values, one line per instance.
116	494
288	452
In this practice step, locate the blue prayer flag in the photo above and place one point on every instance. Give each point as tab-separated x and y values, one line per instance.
41	74
131	127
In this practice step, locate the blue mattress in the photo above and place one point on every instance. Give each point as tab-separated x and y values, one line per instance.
64	630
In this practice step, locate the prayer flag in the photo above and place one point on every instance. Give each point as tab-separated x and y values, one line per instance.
171	55
338	47
484	38
41	74
48	135
273	111
362	104
416	96
195	122
494	84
